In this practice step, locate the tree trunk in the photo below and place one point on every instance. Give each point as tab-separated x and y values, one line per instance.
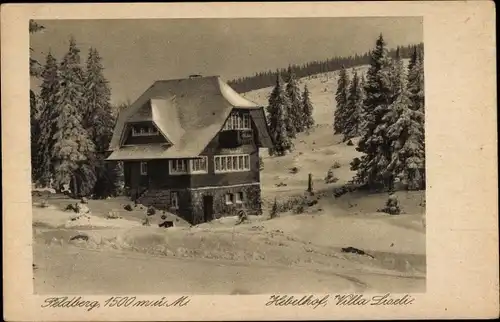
74	189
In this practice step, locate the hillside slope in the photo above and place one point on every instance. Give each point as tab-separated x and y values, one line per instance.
322	88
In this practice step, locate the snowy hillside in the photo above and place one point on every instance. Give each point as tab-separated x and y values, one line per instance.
302	248
322	88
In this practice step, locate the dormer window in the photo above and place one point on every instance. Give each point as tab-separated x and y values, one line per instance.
237	121
144	130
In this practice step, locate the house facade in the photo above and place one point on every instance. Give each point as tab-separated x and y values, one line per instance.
191	146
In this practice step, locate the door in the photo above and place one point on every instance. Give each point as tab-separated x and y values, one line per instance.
208	208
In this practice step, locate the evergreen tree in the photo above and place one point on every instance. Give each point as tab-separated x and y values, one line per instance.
34	27
372	168
341	98
363	119
296	109
34	71
416	81
398	76
98	116
416	95
354	110
308	120
407	151
72	151
99	120
47	119
277	111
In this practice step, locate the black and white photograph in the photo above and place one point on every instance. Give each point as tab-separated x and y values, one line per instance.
235	156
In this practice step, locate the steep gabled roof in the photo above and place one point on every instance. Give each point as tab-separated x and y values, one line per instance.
188	112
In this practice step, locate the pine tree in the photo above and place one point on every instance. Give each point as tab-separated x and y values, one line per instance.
34	27
34	71
398	76
277	111
308	121
47	119
295	111
99	120
363	119
98	116
354	110
341	98
72	151
416	80
371	170
415	175
405	133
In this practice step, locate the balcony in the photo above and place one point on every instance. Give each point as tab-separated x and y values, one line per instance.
235	138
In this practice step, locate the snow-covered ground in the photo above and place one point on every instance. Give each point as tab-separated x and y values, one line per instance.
291	253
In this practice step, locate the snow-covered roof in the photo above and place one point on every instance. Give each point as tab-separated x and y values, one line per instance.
188	112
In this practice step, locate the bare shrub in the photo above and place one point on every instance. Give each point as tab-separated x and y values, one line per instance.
391	205
299	210
336	165
150	211
274	210
242	216
128	207
330	176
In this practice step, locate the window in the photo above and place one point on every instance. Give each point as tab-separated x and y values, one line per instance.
239	197
174	200
144	168
147	130
229	198
246	121
237	121
179	166
217	164
199	165
232	163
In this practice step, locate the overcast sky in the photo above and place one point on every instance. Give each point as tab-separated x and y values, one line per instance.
137	52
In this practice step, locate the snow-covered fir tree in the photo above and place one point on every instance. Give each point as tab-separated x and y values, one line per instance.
398	75
341	97
99	120
363	120
34	27
278	125
354	110
296	109
73	150
308	120
416	80
98	116
372	168
47	120
34	70
416	94
405	132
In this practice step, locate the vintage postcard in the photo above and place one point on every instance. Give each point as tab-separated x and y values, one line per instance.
249	161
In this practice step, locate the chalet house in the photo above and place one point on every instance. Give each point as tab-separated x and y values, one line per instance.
191	146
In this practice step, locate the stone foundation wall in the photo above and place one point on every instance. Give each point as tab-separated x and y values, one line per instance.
191	201
251	201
